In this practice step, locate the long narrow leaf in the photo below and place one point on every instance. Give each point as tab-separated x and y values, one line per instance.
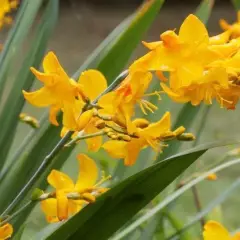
122	202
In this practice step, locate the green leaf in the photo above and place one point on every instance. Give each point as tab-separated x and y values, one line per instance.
236	4
204	10
24	78
119	204
117	59
15	103
23	22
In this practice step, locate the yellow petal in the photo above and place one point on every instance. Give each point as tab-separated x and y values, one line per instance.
47	79
170	40
94	143
62	205
84	119
224	25
74	206
133	149
152	45
53	115
236	236
189	73
173	95
215	231
49	207
93	83
6	231
116	149
60	180
193	31
157	129
220	38
40	98
88	172
108	103
52	65
69	116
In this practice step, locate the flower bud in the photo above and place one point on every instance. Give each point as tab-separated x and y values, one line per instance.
84	119
186	137
179	130
100	124
211	177
141	123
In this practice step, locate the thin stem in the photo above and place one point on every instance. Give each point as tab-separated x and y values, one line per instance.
59	146
23	208
194	189
78	138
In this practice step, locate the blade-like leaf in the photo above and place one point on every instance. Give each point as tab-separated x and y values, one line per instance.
117	59
122	202
16	101
236	4
23	22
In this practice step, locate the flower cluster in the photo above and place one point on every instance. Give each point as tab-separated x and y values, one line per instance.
201	68
111	116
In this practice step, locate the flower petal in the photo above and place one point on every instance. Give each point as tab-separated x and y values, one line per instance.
6	231
155	130
116	149
60	180
49	207
62	205
47	79
52	65
93	83
88	172
152	45
133	149
69	116
214	230
108	103
94	143
193	25
40	98
53	114
236	236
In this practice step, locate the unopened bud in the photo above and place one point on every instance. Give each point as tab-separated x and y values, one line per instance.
179	130
168	136
84	119
186	137
33	122
88	197
100	124
141	122
211	177
125	138
36	194
107	130
112	135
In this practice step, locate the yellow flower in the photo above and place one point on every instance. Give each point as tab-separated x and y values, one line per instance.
232	29
5	7
215	231
59	208
58	92
150	135
184	52
206	87
121	102
6	231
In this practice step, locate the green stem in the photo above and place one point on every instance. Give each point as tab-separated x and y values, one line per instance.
78	138
59	146
9	218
